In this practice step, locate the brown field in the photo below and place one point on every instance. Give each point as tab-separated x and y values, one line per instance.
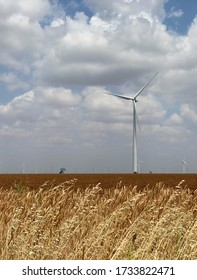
34	181
98	216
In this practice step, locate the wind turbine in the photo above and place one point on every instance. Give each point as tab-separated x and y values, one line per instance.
24	166
135	119
184	163
139	165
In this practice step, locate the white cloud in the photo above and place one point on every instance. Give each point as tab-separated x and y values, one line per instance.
102	107
121	8
187	112
23	38
174	119
13	82
169	134
57	22
175	13
33	10
99	52
150	109
39	108
63	64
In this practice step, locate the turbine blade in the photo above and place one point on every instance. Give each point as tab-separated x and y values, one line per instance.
184	162
136	95
120	96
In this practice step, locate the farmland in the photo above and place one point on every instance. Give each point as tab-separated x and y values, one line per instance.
98	216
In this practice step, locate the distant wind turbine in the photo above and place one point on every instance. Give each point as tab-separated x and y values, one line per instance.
24	165
135	119
139	165
184	164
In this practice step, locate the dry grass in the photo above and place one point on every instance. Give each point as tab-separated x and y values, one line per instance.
65	222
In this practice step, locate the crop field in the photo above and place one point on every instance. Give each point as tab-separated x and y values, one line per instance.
98	216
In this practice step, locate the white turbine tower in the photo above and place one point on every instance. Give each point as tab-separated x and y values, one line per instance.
134	100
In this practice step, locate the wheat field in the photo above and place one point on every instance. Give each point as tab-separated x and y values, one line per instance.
97	223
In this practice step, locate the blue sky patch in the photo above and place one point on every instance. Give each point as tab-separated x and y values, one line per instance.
180	14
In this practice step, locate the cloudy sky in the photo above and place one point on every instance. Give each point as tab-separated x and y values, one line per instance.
57	57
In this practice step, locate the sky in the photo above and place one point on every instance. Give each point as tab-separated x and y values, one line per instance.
58	57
